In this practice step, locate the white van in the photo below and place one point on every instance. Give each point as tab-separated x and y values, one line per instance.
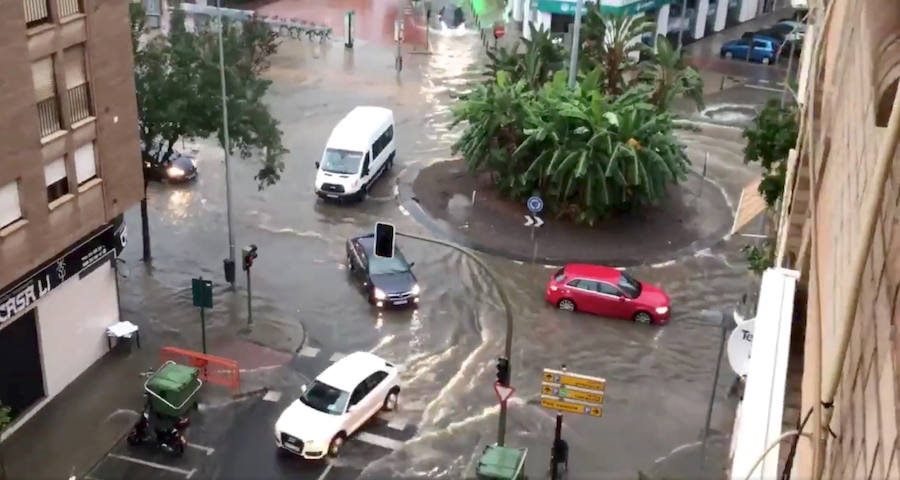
360	148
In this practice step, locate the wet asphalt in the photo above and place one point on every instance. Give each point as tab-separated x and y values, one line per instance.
658	378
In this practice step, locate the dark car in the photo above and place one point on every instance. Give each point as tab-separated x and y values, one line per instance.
178	168
386	281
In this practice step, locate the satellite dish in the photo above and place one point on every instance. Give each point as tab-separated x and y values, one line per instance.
740	343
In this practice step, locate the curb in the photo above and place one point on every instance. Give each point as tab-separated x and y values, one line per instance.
250	393
407	201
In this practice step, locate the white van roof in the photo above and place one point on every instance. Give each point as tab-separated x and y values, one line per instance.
356	130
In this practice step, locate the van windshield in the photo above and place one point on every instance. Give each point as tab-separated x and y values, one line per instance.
341	161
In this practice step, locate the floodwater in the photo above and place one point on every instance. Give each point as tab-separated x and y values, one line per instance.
659	379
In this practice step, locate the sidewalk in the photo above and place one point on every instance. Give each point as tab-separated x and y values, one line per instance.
80	425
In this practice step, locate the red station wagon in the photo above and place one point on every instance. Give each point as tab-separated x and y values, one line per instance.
607	292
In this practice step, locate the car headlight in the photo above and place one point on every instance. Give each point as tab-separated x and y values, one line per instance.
379	294
415	290
174	172
662	310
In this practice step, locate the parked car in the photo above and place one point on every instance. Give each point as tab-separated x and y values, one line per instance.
336	404
607	292
178	168
765	50
386	281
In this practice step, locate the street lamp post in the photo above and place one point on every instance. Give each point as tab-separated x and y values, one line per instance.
682	27
501	428
576	42
229	263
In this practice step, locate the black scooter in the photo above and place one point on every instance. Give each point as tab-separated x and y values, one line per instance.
170	439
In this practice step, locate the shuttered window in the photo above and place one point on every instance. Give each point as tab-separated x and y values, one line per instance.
85	163
10	211
74	60
55	176
42	74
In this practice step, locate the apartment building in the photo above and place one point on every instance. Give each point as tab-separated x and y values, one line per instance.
69	167
839	233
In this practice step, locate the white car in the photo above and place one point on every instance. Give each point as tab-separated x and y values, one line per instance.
339	401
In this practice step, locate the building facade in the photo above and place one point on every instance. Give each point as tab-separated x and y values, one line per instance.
69	167
839	229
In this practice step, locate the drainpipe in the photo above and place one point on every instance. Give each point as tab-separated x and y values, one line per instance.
870	211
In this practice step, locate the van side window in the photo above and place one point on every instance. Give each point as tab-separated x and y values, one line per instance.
389	135
377	147
365	165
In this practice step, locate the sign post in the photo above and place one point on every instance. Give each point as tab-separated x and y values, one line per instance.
201	290
570	393
535	205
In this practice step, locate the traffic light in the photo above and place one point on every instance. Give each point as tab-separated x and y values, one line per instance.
503	371
384	240
248	254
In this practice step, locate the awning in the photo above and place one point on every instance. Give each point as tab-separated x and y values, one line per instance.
751	205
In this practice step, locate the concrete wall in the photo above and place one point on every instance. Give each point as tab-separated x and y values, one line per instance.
846	136
48	230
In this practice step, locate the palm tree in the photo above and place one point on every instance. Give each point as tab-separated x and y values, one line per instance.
613	42
536	64
668	72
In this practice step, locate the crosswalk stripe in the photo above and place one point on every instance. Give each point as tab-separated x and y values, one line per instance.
379	441
308	351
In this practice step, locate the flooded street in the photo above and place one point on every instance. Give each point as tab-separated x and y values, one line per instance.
658	378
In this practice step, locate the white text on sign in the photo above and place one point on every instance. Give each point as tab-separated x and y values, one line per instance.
571	407
586	382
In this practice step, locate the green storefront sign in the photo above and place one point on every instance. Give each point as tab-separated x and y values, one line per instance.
568	7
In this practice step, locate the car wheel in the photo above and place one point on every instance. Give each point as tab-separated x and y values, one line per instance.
766	60
643	317
334	448
392	400
566	304
729	55
390	162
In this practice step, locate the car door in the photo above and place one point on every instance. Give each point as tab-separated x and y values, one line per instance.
366	173
760	50
615	303
578	290
357	411
377	392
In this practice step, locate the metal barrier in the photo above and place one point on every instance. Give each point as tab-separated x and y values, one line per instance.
213	369
282	26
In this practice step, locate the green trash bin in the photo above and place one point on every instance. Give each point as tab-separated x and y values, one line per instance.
501	463
173	389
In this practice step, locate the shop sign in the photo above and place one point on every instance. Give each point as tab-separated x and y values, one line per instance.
86	256
567	7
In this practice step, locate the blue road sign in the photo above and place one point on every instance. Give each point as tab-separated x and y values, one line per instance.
535	204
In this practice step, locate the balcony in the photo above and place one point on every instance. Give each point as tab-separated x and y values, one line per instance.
69	7
37	12
48	116
78	101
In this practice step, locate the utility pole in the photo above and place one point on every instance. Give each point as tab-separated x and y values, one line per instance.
576	42
682	27
559	454
398	32
229	263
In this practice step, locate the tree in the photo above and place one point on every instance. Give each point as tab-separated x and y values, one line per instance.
613	43
769	139
178	86
536	64
671	77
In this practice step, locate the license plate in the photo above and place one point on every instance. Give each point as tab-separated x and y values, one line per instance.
291	446
330	195
401	302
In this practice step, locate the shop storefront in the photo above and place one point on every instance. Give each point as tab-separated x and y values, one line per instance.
53	320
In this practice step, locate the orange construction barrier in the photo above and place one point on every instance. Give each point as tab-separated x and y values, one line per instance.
213	369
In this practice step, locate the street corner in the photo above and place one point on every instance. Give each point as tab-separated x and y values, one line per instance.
453	203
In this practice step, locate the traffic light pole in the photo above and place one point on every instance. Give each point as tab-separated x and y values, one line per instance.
501	427
249	300
559	453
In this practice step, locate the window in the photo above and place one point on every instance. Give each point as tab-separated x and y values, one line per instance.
55	176
608	289
365	165
85	163
45	93
389	135
78	98
359	393
377	147
36	12
374	379
69	7
10	211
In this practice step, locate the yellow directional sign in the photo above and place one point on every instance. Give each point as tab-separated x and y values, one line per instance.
570	407
574	380
573	393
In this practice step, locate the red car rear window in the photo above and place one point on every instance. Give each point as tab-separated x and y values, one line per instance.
560	274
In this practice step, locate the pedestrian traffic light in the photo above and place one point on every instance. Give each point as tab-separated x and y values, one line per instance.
249	254
503	371
384	240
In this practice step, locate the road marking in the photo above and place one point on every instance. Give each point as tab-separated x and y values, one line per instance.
336	356
550	267
403	210
398	423
760	87
208	450
186	473
272	396
308	351
663	264
415	405
396	191
379	441
762	80
325	472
